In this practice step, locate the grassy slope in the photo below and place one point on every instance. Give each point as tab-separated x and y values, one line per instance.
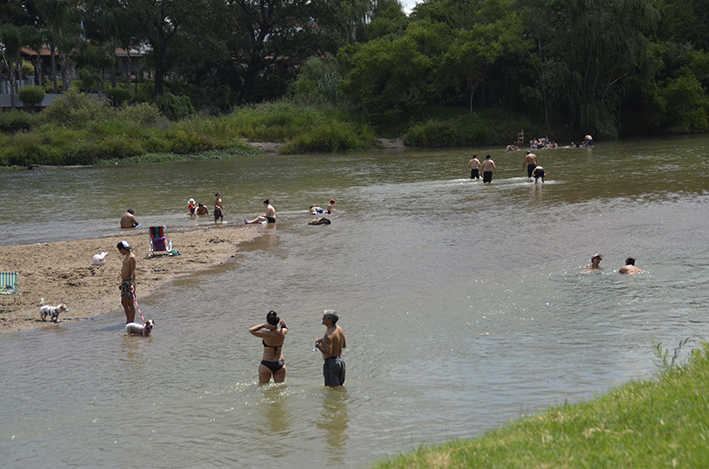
663	423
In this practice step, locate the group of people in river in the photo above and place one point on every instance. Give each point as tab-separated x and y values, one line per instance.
545	143
488	167
273	333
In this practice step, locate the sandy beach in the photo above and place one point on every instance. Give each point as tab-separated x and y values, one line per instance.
61	272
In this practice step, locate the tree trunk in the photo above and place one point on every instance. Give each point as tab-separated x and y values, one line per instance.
53	61
127	62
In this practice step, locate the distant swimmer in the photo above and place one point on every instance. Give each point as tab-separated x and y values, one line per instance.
488	166
629	267
520	138
128	219
530	161
474	167
595	262
587	141
538	174
331	206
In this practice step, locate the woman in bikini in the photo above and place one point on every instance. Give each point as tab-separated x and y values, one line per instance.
272	338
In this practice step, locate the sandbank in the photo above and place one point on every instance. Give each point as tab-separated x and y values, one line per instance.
61	272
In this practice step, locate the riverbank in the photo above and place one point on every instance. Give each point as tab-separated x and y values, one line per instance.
61	272
653	423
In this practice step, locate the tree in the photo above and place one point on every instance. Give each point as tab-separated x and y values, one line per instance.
35	39
32	95
387	78
63	29
272	34
588	55
10	46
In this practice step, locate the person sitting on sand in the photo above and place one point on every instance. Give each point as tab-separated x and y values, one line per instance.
128	219
202	209
629	267
269	216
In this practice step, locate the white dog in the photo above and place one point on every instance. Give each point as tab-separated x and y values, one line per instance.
140	329
51	311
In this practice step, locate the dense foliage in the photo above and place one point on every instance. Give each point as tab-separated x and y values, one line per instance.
604	67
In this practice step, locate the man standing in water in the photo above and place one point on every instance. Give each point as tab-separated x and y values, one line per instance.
218	208
531	162
474	167
331	345
127	286
488	167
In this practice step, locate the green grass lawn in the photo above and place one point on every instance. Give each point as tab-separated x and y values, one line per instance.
648	424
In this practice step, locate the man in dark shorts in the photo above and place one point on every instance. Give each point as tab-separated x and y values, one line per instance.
331	345
488	167
474	167
127	286
218	208
268	217
530	160
538	173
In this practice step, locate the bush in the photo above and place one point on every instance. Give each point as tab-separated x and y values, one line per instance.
140	113
13	121
32	95
119	96
76	109
329	137
175	107
451	133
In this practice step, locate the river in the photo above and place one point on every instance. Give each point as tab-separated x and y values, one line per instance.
463	304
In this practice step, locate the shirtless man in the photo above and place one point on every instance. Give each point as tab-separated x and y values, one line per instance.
127	286
488	167
538	173
269	216
331	345
474	167
629	267
202	209
530	161
128	219
520	138
218	214
587	141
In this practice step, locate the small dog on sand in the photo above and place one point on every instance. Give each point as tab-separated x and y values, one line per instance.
51	311
140	329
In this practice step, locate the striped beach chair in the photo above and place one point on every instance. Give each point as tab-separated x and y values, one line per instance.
157	242
9	286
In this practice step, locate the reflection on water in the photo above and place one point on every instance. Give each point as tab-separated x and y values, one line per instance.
456	298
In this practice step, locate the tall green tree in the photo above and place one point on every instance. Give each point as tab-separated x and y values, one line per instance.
10	46
63	31
594	52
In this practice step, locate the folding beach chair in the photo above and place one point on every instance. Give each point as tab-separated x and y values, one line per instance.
157	242
9	285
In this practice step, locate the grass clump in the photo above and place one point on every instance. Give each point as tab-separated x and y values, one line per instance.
653	423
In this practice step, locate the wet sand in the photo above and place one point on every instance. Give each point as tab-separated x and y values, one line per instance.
62	272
